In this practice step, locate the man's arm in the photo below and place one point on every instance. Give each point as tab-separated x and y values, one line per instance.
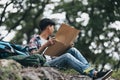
43	47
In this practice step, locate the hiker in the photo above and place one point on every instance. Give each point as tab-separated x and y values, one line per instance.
72	58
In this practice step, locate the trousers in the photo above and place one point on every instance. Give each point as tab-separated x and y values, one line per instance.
74	59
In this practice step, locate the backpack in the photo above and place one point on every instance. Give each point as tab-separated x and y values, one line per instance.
8	49
20	54
32	60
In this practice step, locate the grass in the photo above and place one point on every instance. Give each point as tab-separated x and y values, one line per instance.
69	71
116	75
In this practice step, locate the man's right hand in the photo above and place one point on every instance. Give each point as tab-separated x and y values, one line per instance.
50	42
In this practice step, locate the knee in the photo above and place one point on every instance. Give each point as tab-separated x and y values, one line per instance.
67	56
72	49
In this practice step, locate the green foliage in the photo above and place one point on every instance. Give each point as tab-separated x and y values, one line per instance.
25	13
116	75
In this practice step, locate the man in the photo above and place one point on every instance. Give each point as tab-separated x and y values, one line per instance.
72	58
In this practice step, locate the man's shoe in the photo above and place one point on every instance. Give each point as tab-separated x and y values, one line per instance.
103	75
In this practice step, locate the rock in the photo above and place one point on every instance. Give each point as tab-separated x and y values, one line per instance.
41	73
11	70
48	73
10	64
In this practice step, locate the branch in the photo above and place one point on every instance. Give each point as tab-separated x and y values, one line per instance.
36	16
40	11
68	19
3	13
18	22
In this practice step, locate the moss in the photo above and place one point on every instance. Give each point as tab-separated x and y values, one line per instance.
9	74
69	71
10	70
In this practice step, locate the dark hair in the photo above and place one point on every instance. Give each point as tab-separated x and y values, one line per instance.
45	22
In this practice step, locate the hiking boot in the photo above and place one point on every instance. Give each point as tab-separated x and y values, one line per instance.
103	75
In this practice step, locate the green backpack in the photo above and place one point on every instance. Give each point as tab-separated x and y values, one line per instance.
20	54
32	60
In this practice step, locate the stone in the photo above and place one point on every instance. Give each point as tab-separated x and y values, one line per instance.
11	70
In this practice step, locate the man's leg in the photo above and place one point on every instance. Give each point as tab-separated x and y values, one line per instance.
76	53
71	61
90	71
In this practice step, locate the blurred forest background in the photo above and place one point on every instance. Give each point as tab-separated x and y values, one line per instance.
98	21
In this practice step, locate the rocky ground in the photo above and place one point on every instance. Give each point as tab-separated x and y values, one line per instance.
11	70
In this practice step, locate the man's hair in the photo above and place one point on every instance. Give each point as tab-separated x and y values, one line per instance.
45	22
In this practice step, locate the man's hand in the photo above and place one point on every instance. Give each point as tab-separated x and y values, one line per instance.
50	42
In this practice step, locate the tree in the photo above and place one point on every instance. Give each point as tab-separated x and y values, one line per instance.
23	18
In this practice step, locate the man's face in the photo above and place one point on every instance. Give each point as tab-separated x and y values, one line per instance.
51	29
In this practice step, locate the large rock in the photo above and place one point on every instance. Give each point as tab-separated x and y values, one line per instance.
11	70
48	73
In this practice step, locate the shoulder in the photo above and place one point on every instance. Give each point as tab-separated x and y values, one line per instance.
34	38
